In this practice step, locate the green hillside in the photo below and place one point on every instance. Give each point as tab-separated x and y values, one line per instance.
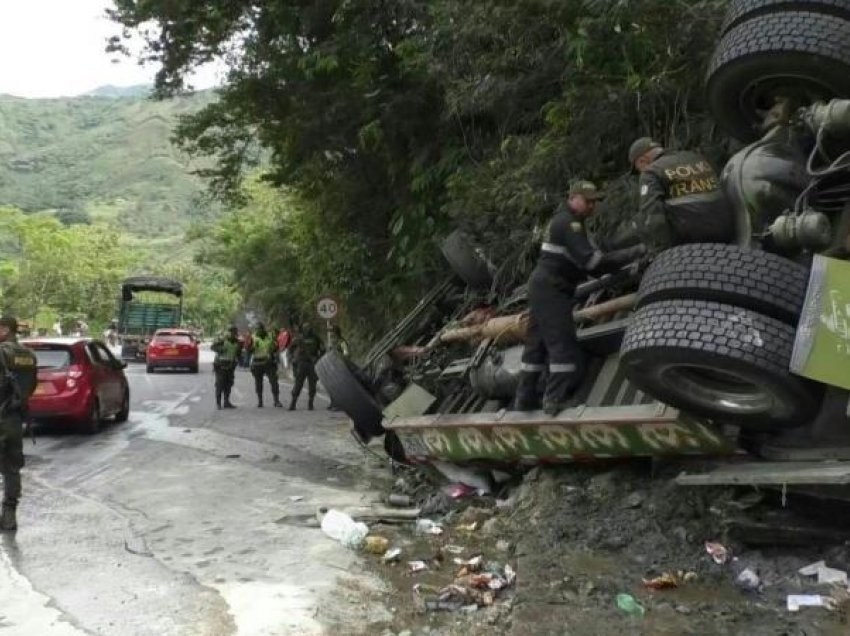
104	156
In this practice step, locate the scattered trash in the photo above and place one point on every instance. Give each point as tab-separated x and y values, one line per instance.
628	604
453	473
826	575
375	544
669	580
663	582
392	555
458	491
503	546
717	551
417	566
748	580
453	549
468	592
296	498
468	527
426	526
796	601
470	565
340	527
399	501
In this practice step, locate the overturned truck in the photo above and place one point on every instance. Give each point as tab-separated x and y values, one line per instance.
713	347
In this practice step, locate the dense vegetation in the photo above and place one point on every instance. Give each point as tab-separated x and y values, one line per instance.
390	122
91	191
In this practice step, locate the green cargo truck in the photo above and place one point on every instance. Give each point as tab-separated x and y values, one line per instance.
140	317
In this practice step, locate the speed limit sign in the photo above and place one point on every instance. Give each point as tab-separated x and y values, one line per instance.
327	308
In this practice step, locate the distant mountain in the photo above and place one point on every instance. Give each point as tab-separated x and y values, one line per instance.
108	90
108	159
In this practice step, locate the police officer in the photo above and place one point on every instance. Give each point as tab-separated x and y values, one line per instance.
18	378
680	197
227	352
305	350
264	363
566	258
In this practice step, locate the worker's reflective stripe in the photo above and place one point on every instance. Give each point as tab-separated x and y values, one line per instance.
554	249
532	368
594	261
562	368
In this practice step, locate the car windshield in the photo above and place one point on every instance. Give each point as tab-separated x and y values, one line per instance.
173	338
52	358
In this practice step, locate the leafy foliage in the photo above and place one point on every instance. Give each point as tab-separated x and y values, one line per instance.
389	122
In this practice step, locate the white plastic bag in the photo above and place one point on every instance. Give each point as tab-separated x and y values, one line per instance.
340	527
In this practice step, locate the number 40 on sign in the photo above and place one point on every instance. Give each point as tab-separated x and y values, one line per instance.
327	308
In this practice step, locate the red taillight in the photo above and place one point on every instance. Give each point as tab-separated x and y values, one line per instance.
75	372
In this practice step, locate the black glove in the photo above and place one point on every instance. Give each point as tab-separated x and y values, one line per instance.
613	261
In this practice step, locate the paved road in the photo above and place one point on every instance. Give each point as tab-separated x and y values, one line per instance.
184	521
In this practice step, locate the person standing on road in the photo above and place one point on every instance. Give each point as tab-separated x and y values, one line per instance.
305	350
284	339
340	345
264	364
18	378
227	352
566	258
247	345
680	197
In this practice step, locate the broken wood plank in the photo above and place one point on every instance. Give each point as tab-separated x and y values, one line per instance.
771	473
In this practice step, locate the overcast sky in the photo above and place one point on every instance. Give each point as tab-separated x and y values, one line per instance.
55	48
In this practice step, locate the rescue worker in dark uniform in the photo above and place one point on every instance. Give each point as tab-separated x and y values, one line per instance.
18	378
566	258
227	350
680	197
305	350
264	363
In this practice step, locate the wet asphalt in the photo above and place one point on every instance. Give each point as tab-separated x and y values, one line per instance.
188	520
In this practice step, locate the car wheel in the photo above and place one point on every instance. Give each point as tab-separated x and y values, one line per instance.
470	266
800	55
149	369
94	419
718	361
752	279
193	368
124	413
347	393
742	10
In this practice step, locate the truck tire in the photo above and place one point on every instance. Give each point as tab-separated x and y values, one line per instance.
469	265
347	393
752	279
797	54
743	10
720	362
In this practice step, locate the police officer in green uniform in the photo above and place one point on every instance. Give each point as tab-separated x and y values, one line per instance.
227	352
264	363
18	377
566	259
306	349
680	197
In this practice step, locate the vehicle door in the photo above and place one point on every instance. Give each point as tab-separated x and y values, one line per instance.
103	381
117	377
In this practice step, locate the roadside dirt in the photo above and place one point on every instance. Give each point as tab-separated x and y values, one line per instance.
579	536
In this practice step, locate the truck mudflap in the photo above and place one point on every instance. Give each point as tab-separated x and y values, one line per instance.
576	434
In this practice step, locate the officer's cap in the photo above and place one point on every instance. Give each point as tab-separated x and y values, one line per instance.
587	189
640	147
10	322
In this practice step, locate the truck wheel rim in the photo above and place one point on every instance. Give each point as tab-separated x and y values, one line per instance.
761	95
715	388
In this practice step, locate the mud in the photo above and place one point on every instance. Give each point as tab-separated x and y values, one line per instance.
580	535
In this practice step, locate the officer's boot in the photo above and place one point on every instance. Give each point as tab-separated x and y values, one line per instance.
259	400
8	520
559	389
227	403
292	403
277	402
218	398
527	398
310	403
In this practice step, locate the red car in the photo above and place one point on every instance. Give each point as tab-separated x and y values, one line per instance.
80	381
172	348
